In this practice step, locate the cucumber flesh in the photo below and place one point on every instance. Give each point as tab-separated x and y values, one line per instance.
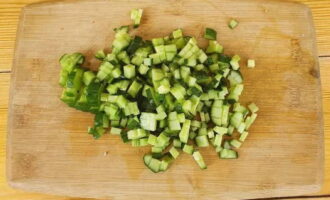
166	93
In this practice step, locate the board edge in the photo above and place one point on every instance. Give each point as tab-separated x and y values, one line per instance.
321	148
19	33
18	183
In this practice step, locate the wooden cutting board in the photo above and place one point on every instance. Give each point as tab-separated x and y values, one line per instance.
50	151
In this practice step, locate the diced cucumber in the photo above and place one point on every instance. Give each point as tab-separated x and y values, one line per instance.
188	149
217	140
174	152
251	63
148	121
220	130
236	119
216	112
228	154
210	133
241	127
243	136
154	165
177	143
177	33
199	159
136	134
214	47
164	92
184	133
173	122
235	78
152	139
249	120
115	131
253	107
233	23
202	141
178	91
129	71
235	143
147	159
210	34
192	134
136	15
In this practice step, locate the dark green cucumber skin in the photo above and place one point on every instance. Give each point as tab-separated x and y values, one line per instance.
210	34
195	81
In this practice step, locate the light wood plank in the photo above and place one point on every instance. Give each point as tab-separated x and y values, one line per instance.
7	193
311	198
325	79
10	9
290	107
9	14
321	14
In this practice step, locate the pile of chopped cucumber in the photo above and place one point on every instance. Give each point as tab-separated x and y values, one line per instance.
167	93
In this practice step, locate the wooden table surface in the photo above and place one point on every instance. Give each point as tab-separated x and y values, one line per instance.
9	12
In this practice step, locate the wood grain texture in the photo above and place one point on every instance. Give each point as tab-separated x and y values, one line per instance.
9	14
321	16
7	193
62	151
325	78
309	198
10	9
8	19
